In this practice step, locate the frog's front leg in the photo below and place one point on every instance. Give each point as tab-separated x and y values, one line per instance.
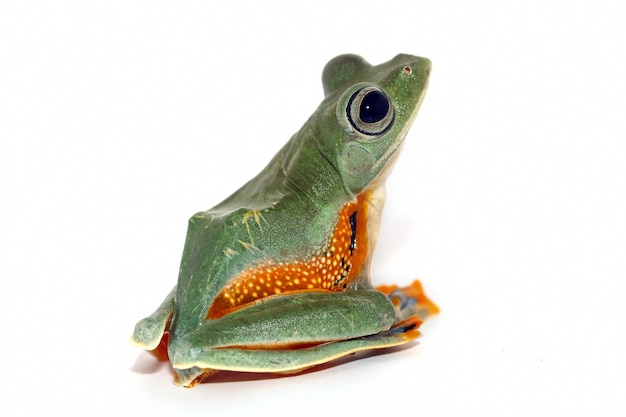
289	333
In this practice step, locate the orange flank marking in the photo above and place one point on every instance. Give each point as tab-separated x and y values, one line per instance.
160	352
332	269
414	290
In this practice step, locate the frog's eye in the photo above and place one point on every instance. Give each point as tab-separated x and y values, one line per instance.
370	111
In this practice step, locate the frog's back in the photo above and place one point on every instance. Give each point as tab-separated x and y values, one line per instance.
276	218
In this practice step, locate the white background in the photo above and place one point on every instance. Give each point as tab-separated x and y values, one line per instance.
120	119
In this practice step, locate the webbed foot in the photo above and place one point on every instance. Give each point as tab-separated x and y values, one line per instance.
410	300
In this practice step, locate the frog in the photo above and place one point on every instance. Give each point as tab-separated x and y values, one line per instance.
276	277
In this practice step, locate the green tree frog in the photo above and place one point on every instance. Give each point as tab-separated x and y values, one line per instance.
276	277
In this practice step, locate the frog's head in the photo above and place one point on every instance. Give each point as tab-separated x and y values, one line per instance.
375	107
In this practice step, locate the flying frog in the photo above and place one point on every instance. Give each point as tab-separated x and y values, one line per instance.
276	278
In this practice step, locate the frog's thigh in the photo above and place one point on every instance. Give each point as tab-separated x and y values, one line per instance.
149	331
289	332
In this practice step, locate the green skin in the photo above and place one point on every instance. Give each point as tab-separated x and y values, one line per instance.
285	214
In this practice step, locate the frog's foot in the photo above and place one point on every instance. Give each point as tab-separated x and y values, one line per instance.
410	300
191	377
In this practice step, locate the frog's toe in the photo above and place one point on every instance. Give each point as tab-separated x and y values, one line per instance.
410	300
191	377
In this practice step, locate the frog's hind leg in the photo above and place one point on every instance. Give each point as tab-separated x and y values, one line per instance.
151	332
409	301
283	334
294	361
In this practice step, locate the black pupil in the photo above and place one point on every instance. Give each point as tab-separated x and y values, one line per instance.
374	107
